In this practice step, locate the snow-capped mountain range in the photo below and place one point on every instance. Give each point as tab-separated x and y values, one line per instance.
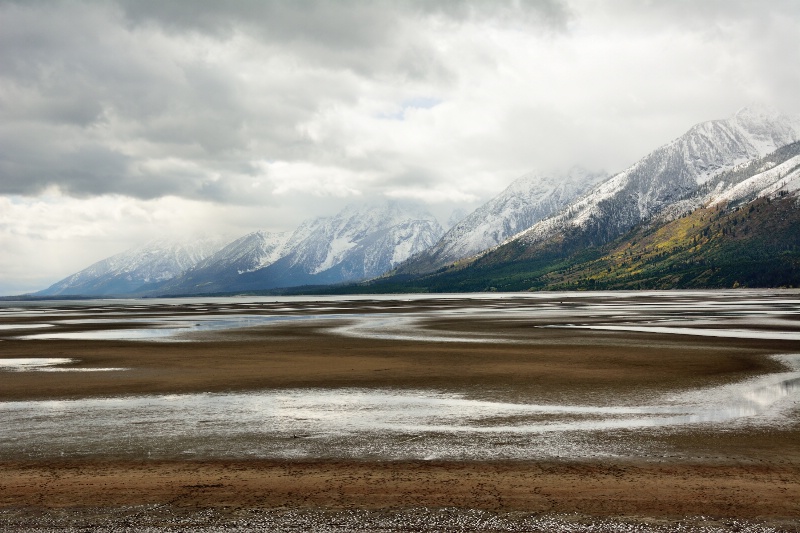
735	185
360	242
712	163
383	235
249	253
526	201
668	175
155	262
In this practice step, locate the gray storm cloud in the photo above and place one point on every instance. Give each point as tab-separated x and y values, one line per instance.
96	95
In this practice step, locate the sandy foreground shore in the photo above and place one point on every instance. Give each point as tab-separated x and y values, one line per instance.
714	477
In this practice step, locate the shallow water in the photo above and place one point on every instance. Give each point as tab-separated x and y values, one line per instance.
367	423
390	423
157	328
23	364
753	313
701	332
46	364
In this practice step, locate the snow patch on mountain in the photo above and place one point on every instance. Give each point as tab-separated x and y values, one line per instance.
766	128
156	261
360	242
527	200
389	230
250	252
669	174
337	249
783	177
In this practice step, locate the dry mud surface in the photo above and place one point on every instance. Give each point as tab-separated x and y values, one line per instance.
553	412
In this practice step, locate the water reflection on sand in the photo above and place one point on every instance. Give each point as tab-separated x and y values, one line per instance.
385	424
22	364
389	423
168	328
699	331
47	364
734	314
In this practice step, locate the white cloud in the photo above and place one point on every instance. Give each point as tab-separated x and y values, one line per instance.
46	237
313	180
260	114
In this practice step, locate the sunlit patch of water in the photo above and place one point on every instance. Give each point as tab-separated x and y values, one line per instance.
697	331
408	328
31	363
167	328
368	423
24	326
45	364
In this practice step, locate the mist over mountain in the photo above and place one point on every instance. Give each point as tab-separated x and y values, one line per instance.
360	242
542	231
665	176
152	263
715	164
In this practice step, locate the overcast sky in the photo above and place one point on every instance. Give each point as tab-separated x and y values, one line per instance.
126	120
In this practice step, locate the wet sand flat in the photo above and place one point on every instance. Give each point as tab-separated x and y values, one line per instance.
480	349
752	491
557	363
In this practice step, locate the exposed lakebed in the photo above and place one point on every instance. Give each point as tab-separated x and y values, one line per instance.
386	422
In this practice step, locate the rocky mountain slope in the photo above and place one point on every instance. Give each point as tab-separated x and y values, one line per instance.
715	165
665	176
152	263
360	242
743	231
526	201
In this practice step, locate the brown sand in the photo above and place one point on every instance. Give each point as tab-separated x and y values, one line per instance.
599	489
573	363
750	474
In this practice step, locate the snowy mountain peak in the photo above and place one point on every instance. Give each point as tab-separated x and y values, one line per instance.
757	113
322	243
250	252
155	261
525	201
766	128
670	173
